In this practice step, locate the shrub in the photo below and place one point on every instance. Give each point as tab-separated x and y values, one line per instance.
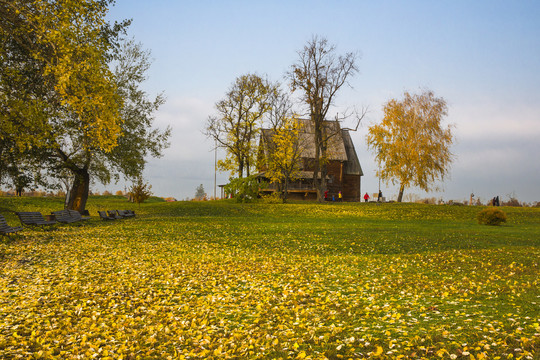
512	201
244	189
491	216
140	191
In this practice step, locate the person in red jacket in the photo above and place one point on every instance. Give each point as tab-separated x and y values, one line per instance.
366	197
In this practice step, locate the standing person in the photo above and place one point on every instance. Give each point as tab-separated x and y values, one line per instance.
326	195
379	198
340	197
366	197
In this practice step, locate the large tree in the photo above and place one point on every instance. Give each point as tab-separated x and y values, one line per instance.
319	74
58	57
137	139
238	122
412	146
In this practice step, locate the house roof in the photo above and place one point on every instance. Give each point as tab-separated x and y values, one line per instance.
299	175
340	145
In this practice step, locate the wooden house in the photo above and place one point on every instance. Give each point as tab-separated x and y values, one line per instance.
344	170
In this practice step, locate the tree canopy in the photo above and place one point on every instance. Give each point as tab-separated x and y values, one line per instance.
411	145
238	122
71	90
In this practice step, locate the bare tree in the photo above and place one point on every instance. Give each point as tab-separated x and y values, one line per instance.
318	75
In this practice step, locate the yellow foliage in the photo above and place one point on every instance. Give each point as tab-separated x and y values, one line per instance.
284	152
75	52
411	146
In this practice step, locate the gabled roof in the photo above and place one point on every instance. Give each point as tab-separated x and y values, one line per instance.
336	147
352	166
340	145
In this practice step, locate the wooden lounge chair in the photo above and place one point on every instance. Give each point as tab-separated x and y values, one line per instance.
77	215
63	216
5	229
33	218
113	214
104	216
126	213
68	216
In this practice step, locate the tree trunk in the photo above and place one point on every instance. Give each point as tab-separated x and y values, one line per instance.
80	188
240	168
318	183
401	189
285	189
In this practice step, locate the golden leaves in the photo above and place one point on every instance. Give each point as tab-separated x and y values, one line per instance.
410	144
75	50
222	280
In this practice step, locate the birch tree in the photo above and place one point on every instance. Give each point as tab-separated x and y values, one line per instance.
412	147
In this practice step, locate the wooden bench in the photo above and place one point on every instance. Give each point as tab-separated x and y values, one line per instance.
33	218
77	215
126	213
104	216
69	216
5	229
63	216
113	214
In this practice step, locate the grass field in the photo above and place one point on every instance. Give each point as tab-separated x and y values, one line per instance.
302	281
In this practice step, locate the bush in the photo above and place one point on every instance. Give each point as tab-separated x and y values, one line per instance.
512	201
245	189
491	216
140	191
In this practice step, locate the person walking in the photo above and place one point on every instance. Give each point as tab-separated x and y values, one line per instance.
366	197
340	197
379	198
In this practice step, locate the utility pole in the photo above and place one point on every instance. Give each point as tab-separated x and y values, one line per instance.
215	169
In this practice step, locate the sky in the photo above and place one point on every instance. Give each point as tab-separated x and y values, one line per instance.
482	57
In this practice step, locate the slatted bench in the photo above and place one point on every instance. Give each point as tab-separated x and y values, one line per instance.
69	216
103	216
126	213
63	216
5	229
33	218
113	214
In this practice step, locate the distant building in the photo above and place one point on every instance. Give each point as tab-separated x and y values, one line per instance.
344	170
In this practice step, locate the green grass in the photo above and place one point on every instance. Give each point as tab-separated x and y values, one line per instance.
226	280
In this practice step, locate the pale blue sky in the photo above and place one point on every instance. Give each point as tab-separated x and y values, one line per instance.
483	57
